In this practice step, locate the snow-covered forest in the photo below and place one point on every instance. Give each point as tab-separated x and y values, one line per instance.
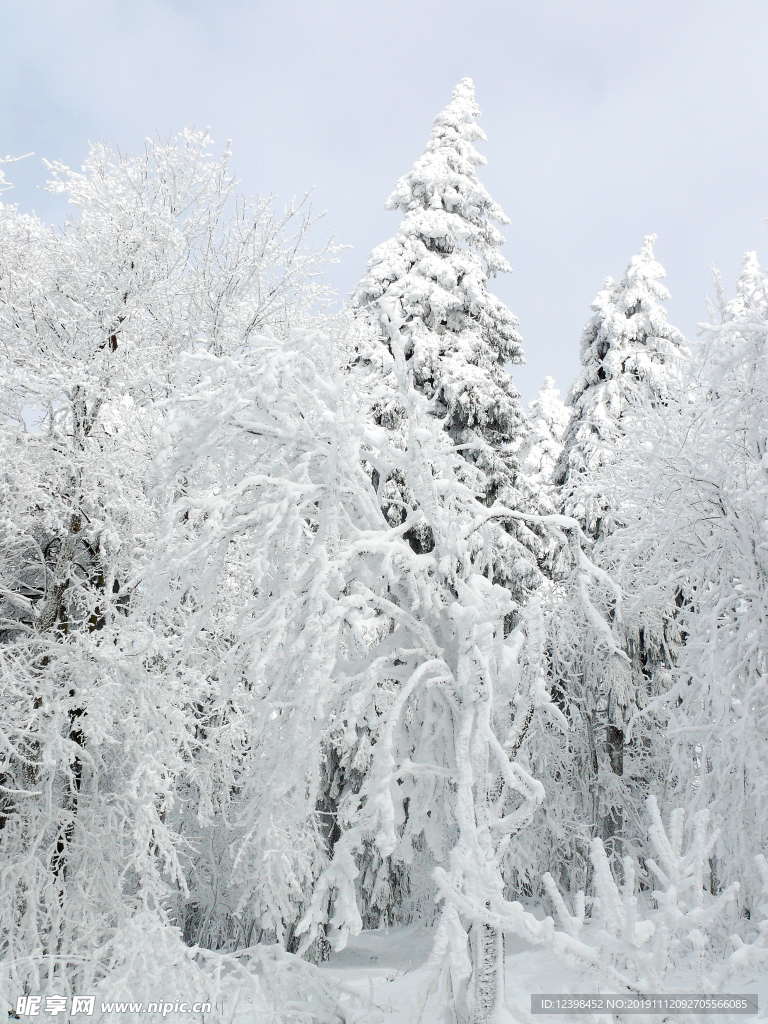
338	683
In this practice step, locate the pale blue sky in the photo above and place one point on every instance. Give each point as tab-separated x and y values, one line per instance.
605	121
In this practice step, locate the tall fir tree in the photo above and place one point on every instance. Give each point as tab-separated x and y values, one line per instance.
631	359
432	280
548	416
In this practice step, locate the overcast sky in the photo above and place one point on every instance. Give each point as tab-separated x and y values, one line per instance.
605	121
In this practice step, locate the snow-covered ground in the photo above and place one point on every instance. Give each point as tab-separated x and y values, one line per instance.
388	969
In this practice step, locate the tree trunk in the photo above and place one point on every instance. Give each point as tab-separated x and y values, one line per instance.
488	968
613	822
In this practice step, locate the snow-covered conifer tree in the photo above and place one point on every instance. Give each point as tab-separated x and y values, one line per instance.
630	355
631	359
750	288
548	416
694	506
459	339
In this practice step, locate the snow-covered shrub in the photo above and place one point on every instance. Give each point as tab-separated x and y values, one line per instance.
146	969
750	956
643	941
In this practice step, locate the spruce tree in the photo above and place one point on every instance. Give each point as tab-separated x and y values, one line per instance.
630	355
431	280
631	360
751	292
548	416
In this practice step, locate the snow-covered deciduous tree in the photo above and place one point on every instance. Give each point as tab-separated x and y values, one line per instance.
322	611
445	781
158	256
275	506
429	288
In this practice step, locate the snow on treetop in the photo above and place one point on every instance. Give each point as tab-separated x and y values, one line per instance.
444	177
751	290
630	355
644	275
